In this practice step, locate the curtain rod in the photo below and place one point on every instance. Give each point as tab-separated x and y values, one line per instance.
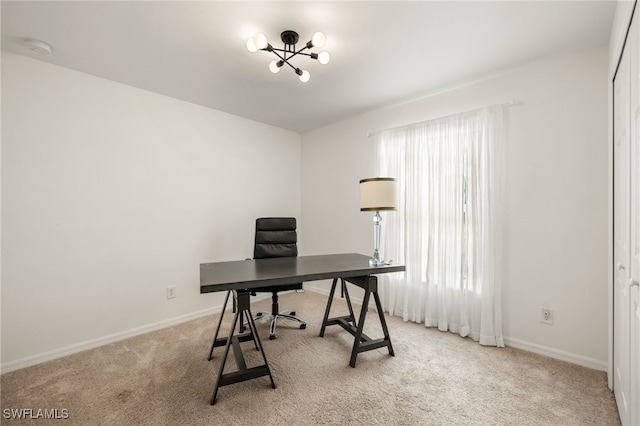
504	104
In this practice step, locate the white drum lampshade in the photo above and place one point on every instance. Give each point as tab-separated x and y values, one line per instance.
378	194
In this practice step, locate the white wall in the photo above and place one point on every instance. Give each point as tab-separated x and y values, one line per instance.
556	229
110	194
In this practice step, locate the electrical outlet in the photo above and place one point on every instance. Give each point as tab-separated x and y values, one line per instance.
171	292
546	315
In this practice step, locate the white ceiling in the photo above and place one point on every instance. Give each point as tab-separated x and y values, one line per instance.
381	52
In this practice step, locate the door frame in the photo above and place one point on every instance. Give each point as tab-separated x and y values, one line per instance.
620	30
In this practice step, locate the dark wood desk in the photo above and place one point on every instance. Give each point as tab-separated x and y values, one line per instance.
240	277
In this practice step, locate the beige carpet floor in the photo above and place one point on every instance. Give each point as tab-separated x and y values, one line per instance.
436	378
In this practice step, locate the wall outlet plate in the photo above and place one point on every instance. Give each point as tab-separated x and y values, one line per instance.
546	315
171	292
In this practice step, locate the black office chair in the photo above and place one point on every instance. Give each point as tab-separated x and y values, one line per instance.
276	237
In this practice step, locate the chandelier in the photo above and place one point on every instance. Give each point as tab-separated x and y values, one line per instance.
289	39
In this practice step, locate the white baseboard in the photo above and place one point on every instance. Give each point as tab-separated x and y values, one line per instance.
584	361
321	290
111	338
514	343
326	290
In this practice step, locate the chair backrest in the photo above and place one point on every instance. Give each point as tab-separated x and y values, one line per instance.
275	237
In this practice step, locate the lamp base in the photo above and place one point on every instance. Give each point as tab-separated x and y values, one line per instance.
376	262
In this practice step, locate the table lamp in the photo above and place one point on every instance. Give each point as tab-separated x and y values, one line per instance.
377	194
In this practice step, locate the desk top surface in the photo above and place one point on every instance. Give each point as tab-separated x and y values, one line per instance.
247	274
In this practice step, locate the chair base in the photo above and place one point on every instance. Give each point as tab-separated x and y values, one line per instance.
288	315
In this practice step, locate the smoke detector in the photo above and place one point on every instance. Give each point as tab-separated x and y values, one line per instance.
38	46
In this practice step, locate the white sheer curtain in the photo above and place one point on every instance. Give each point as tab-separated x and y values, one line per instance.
447	230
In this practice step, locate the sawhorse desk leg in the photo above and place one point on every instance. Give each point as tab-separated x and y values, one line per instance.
362	342
242	304
241	327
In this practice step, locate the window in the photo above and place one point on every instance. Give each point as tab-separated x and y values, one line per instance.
446	230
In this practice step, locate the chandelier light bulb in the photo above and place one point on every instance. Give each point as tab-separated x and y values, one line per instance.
260	41
318	39
251	46
324	57
305	76
274	67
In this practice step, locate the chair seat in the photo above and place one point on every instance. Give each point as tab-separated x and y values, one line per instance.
286	287
275	315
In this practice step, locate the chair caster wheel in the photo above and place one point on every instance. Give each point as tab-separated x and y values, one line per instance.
303	326
293	313
272	336
259	315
